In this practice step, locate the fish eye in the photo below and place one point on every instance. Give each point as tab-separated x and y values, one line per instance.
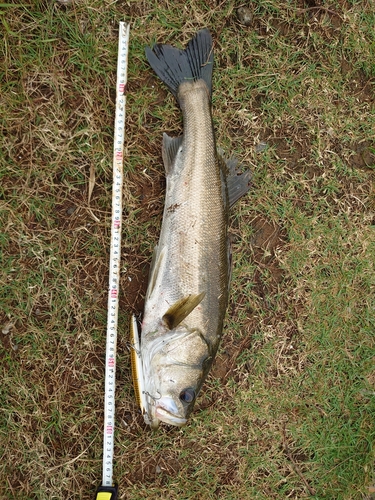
187	395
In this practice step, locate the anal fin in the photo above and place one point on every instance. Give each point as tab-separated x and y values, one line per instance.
238	184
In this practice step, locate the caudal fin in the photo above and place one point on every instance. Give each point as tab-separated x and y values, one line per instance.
174	66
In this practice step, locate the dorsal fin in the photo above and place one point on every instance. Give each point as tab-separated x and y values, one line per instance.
170	148
156	269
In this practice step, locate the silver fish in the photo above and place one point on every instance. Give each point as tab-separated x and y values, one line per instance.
187	293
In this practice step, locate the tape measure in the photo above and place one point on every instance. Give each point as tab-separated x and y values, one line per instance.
108	490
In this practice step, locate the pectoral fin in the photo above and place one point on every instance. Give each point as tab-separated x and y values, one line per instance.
181	309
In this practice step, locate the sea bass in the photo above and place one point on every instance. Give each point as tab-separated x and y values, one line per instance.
187	293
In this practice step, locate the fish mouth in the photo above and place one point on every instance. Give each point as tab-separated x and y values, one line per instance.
166	411
169	418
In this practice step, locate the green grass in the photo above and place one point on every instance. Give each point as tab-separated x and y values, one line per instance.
288	410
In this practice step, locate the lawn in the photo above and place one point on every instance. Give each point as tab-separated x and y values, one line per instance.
288	410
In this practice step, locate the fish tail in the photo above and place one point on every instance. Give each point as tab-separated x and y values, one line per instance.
175	66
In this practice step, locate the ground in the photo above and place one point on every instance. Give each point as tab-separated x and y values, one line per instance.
288	409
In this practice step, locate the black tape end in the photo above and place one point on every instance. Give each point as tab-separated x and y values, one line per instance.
107	492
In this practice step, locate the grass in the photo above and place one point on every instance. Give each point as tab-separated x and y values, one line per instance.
288	410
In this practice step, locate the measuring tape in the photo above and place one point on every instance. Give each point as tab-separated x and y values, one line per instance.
108	490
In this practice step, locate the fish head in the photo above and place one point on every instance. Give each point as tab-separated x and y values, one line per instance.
177	368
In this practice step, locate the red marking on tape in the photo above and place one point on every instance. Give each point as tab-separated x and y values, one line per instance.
111	362
109	429
114	293
121	87
116	224
118	155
